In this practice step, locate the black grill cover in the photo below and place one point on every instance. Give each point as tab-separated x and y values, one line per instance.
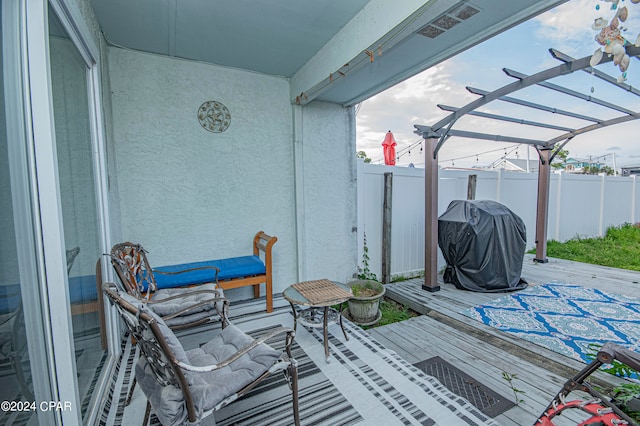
483	243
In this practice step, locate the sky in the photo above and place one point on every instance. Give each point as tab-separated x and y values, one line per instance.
524	48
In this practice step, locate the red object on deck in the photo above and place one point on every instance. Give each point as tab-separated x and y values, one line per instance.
389	146
600	414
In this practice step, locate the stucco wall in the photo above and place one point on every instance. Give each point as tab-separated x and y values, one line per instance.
188	194
83	14
330	192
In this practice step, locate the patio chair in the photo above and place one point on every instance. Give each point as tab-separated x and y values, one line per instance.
184	387
180	308
13	348
71	257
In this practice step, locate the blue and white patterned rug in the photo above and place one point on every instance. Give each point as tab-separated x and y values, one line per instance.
567	319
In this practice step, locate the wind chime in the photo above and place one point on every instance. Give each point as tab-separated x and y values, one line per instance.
611	39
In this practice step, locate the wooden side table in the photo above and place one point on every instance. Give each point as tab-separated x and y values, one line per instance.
318	296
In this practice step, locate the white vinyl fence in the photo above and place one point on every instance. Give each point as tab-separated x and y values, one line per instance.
579	205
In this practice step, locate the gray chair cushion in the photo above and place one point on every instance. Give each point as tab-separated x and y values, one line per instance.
208	389
175	305
167	308
183	320
233	377
169	336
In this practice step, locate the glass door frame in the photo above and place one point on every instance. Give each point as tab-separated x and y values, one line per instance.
23	188
61	356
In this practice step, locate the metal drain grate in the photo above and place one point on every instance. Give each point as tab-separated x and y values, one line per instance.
484	399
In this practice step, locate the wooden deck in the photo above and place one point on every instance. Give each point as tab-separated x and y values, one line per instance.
484	352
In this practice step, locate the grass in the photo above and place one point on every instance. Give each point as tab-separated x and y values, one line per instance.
393	312
619	248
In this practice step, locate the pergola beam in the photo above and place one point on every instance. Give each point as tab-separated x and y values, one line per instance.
508	119
596	126
566	91
562	69
534	105
491	137
599	74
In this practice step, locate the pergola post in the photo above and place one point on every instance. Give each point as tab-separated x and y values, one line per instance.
542	210
431	216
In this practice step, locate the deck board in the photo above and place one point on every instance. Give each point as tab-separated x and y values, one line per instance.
484	352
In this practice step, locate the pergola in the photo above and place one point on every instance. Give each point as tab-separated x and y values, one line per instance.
436	135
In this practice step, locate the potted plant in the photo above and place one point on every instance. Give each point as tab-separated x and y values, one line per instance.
365	303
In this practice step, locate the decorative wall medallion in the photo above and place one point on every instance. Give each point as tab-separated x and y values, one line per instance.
214	116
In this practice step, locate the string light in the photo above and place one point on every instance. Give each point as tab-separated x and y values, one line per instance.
506	151
420	142
407	150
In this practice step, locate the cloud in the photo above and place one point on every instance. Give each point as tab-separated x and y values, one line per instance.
569	22
414	101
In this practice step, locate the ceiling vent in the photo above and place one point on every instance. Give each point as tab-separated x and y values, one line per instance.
460	12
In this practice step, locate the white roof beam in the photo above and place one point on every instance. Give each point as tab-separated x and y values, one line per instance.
349	44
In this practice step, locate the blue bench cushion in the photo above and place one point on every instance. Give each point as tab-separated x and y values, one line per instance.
82	289
9	298
234	267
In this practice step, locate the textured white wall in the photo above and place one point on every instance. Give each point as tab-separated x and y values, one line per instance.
188	194
330	192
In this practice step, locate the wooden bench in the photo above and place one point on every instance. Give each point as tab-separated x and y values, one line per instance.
234	272
82	296
262	244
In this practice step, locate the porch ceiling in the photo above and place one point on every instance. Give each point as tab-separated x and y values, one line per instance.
312	41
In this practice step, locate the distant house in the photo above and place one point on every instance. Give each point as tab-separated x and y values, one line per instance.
516	164
630	171
574	165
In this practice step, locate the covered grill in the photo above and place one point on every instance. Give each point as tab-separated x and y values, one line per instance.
483	243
